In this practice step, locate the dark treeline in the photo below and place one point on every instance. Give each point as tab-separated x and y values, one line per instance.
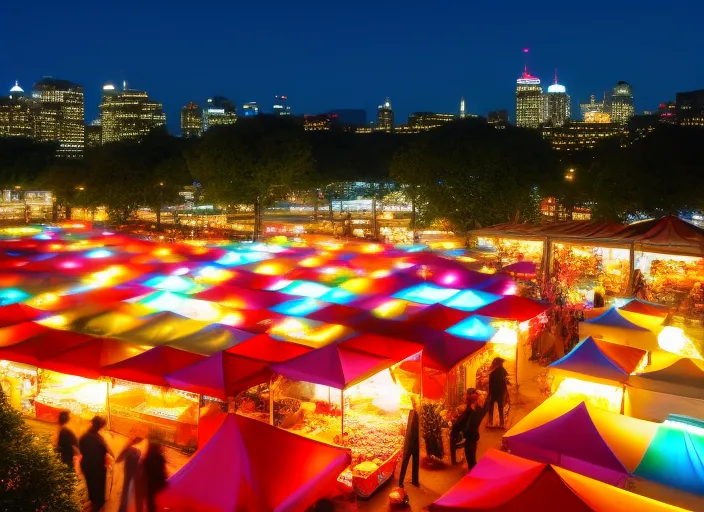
465	173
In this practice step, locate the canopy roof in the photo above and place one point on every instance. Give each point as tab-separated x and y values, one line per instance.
42	346
675	457
571	229
221	375
150	367
601	359
161	328
612	318
439	317
669	235
591	441
684	377
512	307
18	312
211	339
646	308
333	365
248	465
266	348
88	359
504	482
446	352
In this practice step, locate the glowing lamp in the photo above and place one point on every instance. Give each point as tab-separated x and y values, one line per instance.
602	396
505	336
673	340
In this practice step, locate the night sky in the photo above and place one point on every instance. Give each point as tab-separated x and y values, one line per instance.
337	54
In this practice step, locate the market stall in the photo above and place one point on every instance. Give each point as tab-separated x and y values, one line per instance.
501	481
596	371
247	465
343	396
20	384
616	328
674	389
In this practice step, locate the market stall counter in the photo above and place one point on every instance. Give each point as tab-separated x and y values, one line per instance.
349	398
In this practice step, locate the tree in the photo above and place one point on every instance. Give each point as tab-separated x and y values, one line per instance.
67	180
256	161
32	478
409	167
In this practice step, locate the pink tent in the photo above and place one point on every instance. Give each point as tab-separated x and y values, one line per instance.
150	367
248	465
263	347
333	365
512	307
221	375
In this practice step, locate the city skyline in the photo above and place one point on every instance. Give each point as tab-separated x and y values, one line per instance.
469	51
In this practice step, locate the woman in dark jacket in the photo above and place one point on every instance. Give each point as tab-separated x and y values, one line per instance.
153	474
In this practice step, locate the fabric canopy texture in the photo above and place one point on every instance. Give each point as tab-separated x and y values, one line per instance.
221	375
18	313
670	235
446	352
512	307
248	465
43	346
646	308
676	458
150	367
601	360
383	346
612	318
333	365
506	483
162	328
211	339
439	317
88	359
266	348
685	377
590	441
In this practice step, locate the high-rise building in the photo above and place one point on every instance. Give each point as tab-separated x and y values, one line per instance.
349	117
689	108
529	101
556	104
385	117
59	115
428	120
219	111
463	112
191	121
128	114
596	112
497	117
16	116
250	109
575	135
622	103
94	134
281	106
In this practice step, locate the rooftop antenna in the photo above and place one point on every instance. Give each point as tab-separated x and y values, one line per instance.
525	61
556	75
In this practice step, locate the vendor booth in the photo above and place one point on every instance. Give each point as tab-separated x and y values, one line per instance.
501	481
349	398
247	465
616	328
674	389
596	371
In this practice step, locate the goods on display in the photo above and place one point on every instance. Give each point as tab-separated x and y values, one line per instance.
674	280
19	383
85	398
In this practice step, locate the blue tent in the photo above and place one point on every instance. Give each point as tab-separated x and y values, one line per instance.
675	456
612	318
601	360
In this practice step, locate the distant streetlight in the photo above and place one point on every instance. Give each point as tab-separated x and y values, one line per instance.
80	188
570	175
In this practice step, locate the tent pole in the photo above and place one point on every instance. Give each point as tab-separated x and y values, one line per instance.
271	400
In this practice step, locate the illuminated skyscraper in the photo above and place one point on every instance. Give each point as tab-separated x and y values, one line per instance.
427	120
281	106
529	101
16	117
94	134
250	109
622	108
128	114
59	114
191	121
596	112
385	117
219	111
463	112
556	104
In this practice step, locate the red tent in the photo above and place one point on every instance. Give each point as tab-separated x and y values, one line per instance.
265	348
383	346
339	314
438	317
333	365
13	334
150	367
506	483
248	465
42	346
512	307
646	308
398	329
669	235
88	359
221	375
446	352
18	313
241	298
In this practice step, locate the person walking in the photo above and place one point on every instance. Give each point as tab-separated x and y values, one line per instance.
67	443
498	389
468	424
411	447
94	452
152	476
130	455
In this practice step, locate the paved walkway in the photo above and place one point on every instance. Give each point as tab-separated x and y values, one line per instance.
434	483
